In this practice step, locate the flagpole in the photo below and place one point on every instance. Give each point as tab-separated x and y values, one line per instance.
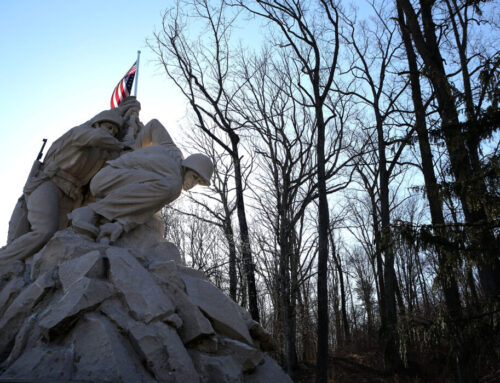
137	73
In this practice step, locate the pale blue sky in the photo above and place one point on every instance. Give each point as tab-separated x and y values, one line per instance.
60	60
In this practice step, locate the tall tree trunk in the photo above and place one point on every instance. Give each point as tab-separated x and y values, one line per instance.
399	297
246	252
292	308
287	309
323	222
392	359
338	266
339	335
378	260
464	159
229	234
448	282
471	284
308	346
446	275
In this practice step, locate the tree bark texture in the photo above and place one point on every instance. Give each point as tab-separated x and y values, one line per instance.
464	160
246	252
323	222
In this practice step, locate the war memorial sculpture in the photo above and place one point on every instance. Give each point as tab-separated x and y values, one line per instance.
90	291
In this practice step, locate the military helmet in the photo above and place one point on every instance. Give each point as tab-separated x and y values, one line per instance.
202	165
108	115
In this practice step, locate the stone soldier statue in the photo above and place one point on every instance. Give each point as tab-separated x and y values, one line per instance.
131	188
58	185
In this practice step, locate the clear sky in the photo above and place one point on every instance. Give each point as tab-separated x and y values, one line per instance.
60	61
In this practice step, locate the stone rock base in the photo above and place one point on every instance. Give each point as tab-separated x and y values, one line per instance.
81	311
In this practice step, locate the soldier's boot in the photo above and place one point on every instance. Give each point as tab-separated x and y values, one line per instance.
84	221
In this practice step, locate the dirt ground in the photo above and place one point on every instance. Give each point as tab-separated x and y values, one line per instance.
345	368
367	368
359	368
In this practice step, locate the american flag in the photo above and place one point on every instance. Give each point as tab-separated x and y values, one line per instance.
124	87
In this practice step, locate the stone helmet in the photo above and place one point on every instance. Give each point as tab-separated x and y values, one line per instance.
202	165
108	115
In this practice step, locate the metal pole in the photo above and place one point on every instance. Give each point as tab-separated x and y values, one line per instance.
137	73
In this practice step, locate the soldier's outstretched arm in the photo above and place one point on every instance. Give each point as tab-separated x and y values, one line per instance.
88	136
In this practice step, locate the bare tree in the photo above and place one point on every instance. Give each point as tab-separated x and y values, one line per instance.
314	42
275	109
219	200
373	49
310	123
204	76
462	140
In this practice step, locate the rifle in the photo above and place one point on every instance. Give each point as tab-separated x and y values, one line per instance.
37	164
40	154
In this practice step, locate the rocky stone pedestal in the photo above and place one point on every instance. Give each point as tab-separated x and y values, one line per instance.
81	311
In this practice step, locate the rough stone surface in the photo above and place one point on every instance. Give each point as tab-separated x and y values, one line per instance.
269	371
165	251
9	292
221	310
145	236
11	270
174	320
215	368
42	363
209	344
260	335
88	265
195	324
144	339
83	294
178	358
26	338
188	271
166	272
65	245
144	297
147	239
20	309
248	357
103	355
102	313
158	344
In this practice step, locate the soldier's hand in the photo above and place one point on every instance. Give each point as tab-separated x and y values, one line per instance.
109	232
120	146
132	113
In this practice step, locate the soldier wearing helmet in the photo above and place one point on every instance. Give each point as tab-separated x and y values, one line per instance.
131	188
197	170
58	186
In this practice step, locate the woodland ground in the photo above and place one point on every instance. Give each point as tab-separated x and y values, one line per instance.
366	367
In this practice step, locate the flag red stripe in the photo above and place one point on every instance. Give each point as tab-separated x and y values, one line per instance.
121	91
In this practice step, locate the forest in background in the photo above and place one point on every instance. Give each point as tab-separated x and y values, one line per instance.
354	208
